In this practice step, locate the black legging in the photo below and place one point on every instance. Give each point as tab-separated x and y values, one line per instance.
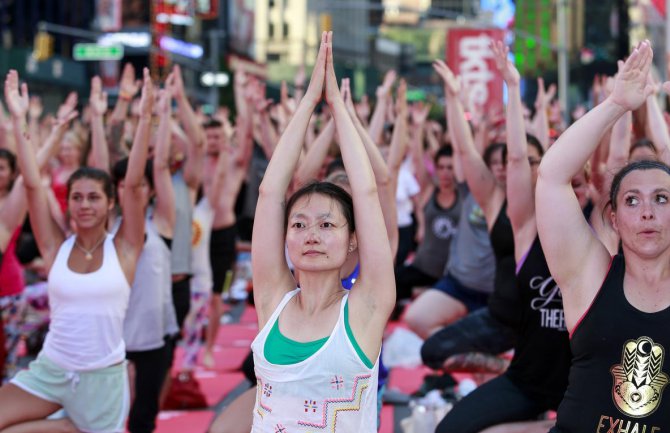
496	402
151	368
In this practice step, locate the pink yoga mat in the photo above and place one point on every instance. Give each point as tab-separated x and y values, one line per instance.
225	358
236	335
249	315
216	386
387	419
407	380
184	421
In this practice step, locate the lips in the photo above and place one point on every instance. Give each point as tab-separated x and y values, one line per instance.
312	253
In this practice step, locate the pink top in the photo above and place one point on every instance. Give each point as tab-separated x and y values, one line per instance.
11	271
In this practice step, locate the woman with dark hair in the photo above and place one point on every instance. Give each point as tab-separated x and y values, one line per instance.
528	387
441	209
318	348
81	366
616	308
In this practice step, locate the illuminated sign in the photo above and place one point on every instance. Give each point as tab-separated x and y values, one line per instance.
129	39
181	48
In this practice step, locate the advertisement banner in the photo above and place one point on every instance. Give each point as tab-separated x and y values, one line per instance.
469	55
241	18
109	15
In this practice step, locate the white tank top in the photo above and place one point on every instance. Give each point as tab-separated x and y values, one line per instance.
201	268
87	311
331	390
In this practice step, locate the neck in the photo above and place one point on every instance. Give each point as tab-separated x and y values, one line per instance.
319	290
648	270
90	238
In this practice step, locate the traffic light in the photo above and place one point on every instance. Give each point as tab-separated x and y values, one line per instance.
44	44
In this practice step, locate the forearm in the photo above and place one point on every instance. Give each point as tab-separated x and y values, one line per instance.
120	111
268	134
138	154
376	126
569	154
379	167
26	156
285	156
399	142
311	164
517	147
359	170
657	126
99	144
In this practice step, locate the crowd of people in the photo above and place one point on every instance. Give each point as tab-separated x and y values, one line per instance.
485	233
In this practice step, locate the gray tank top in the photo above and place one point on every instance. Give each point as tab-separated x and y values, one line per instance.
471	260
181	243
150	315
441	226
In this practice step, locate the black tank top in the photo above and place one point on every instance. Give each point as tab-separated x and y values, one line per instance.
620	366
542	353
504	302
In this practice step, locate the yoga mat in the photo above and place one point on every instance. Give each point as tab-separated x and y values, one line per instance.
407	380
184	421
216	386
236	335
225	358
387	419
249	315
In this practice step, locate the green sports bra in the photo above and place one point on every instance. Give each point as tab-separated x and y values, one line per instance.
281	350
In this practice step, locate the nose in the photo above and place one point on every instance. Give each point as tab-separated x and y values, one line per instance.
647	212
312	235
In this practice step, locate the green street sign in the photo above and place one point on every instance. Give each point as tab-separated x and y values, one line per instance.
92	52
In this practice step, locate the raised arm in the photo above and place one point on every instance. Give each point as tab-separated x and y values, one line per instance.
195	149
379	114
520	197
47	232
129	239
128	88
577	259
483	186
657	127
98	103
271	275
311	164
541	119
383	178
373	296
165	214
399	139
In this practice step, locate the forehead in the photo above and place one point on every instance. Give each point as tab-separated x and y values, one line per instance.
86	185
316	205
444	160
645	180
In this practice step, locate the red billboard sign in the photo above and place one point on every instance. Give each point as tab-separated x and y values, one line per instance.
469	55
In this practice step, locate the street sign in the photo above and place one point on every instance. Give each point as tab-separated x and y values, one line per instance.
93	52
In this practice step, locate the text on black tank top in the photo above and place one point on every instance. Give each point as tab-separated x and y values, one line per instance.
542	353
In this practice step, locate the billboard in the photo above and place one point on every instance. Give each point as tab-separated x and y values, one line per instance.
469	55
241	18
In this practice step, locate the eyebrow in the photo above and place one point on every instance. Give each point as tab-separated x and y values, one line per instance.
320	216
637	191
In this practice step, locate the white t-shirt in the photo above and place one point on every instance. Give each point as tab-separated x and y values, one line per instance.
408	187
